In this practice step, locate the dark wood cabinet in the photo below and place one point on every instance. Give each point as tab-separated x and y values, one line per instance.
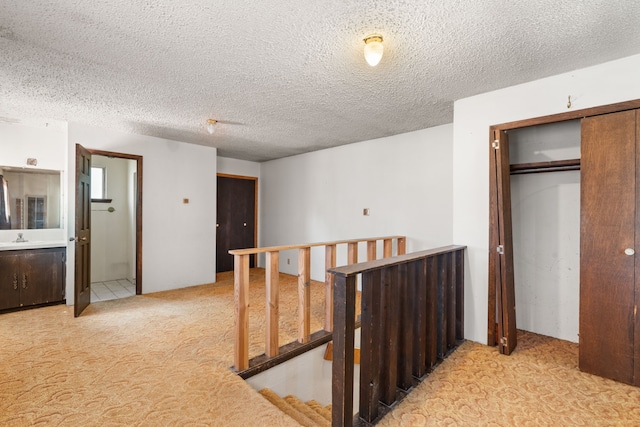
31	277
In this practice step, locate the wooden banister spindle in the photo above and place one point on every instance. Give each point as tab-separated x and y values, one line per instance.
402	245
418	282
272	303
387	248
371	250
406	335
241	299
459	279
431	276
304	295
352	253
329	280
343	344
390	314
370	341
450	308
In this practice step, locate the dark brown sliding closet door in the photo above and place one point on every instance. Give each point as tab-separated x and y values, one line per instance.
607	245
501	246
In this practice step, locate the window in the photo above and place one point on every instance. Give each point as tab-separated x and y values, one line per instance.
98	187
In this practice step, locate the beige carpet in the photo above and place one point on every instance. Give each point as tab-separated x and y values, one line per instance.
153	360
538	385
162	360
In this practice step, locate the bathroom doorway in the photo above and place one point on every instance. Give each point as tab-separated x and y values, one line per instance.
116	230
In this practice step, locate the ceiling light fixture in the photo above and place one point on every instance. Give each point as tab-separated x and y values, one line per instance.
373	49
211	126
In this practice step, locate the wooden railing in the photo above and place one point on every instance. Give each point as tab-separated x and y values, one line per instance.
412	317
241	289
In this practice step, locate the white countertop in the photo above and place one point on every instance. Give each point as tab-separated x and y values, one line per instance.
32	244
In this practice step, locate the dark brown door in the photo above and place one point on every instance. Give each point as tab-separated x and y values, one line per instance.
83	230
607	245
9	280
236	219
501	247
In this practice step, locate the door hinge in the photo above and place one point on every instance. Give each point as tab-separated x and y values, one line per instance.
503	341
500	249
635	311
496	144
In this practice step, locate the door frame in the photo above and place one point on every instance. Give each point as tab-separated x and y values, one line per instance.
255	208
496	281
138	160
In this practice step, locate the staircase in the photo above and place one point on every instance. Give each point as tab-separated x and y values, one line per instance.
309	414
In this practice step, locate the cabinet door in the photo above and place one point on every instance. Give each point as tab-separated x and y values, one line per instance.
41	277
9	280
607	245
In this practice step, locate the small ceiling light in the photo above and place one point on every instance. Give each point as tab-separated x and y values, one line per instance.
211	126
373	49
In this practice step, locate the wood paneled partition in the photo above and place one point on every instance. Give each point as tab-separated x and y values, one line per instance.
412	317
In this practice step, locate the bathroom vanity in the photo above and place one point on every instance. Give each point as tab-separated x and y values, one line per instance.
30	277
32	240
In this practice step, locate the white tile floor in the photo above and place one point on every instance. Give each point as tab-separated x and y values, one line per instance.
114	289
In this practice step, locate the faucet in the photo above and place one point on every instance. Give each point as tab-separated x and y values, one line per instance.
20	239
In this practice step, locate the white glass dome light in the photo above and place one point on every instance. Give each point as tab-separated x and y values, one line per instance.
211	126
373	49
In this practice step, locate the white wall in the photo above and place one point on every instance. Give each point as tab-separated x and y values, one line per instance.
112	256
238	167
546	231
178	240
607	83
405	181
46	142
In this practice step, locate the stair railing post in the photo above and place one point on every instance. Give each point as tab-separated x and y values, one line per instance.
352	253
371	250
330	262
402	245
387	248
304	295
241	308
272	303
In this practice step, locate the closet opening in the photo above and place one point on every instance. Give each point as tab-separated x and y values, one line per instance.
545	207
563	243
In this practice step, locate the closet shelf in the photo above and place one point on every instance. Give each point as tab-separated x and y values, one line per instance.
540	167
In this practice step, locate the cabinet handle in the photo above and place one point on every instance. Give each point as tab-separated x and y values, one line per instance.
15	281
24	281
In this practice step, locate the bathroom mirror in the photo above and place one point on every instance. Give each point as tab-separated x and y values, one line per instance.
29	198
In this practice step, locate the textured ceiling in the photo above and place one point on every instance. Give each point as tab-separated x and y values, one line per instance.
287	77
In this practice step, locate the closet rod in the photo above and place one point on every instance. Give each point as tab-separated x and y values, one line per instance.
539	167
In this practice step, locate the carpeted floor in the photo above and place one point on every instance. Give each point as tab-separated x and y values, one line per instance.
162	360
538	385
